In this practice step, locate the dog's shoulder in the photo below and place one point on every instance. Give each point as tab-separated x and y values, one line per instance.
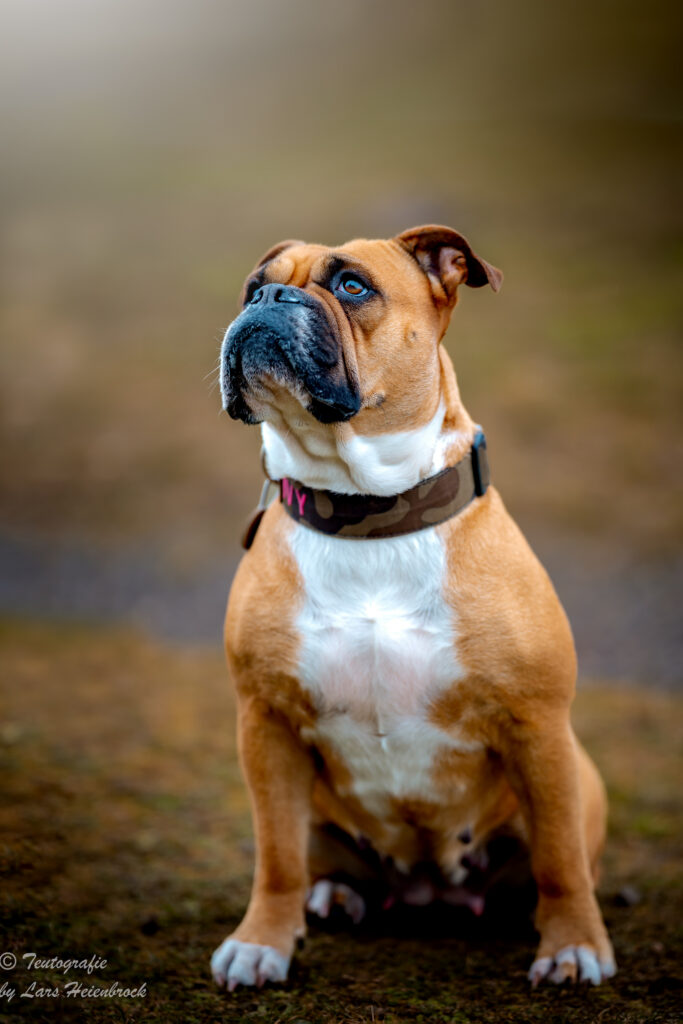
513	630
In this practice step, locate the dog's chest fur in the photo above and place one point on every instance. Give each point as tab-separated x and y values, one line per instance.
377	646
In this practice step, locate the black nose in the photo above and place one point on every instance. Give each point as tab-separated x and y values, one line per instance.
275	293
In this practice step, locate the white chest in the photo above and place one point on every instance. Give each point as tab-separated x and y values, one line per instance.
378	645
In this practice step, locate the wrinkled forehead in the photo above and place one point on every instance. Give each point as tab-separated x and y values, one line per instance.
382	262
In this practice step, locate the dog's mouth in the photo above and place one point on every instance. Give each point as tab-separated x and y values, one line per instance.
283	339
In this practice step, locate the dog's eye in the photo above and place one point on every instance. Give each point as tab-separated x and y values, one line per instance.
351	285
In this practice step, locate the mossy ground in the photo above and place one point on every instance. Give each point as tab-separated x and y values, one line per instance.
126	834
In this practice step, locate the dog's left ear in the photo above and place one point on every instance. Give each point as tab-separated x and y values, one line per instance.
276	250
447	259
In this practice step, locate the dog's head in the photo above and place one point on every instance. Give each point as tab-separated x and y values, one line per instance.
348	332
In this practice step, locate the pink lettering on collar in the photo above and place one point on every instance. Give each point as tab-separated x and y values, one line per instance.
301	499
287	490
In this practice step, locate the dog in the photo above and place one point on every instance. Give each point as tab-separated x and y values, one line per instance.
403	667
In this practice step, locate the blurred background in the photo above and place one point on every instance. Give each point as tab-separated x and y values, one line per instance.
153	150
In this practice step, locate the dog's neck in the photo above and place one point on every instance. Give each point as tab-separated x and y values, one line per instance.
335	457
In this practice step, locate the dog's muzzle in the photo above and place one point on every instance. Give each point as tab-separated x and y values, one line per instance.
283	335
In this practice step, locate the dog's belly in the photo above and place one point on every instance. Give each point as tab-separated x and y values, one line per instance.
377	646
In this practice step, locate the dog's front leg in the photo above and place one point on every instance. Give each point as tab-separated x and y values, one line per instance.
542	766
279	775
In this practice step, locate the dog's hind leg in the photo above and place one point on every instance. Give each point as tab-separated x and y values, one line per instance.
340	868
326	894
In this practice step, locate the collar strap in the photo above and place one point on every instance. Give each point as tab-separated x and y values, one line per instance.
361	516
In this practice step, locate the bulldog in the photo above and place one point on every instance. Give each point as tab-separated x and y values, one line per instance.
403	667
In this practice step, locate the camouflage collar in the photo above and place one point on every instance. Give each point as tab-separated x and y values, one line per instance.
370	516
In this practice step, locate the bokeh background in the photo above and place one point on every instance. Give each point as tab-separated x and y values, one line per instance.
151	151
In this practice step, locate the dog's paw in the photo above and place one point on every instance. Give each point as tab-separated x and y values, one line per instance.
244	963
573	963
325	894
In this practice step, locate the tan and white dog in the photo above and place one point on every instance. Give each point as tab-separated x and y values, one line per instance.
403	693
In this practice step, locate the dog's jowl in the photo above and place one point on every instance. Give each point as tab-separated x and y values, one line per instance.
404	670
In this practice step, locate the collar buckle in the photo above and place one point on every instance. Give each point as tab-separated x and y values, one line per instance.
480	463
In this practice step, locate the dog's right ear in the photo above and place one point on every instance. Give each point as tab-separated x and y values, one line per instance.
253	278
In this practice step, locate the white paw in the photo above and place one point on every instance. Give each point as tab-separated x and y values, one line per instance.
325	894
244	963
576	962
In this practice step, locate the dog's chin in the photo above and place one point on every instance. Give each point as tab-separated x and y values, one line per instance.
264	398
272	400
